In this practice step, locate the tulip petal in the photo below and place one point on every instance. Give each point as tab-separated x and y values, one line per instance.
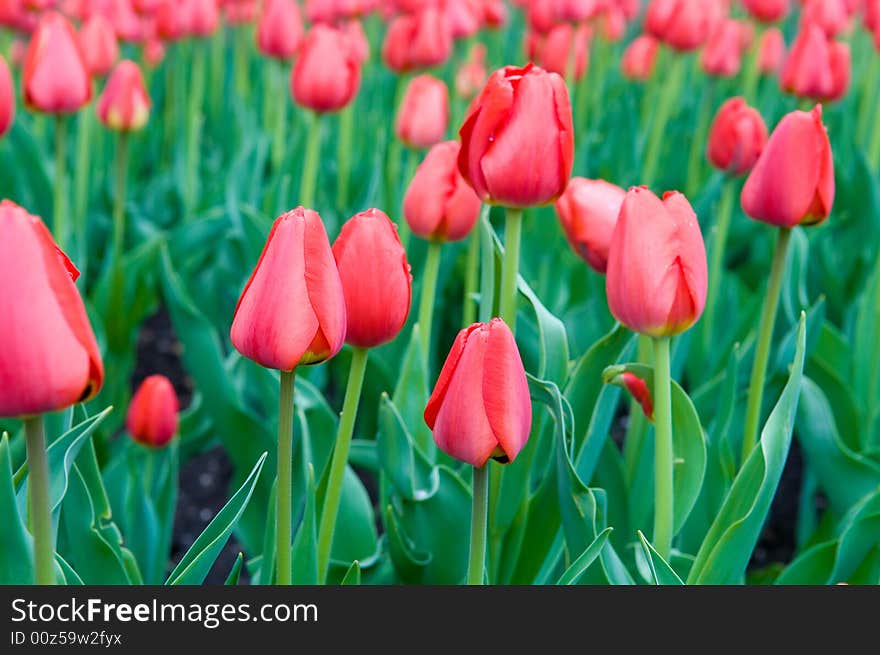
323	286
506	391
436	400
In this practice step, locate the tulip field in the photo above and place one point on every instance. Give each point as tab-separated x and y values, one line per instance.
457	292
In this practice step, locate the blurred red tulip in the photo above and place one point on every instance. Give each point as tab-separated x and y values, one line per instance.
126	23
816	67
722	55
201	17
639	58
327	73
464	16
18	52
377	287
49	359
517	139
279	30
357	39
99	45
471	76
153	412
494	13
170	20
124	104
241	12
792	182
55	78
424	112
771	52
736	137
553	52
588	213
682	24
154	52
612	23
480	406
439	204
292	310
656	280
415	41
768	11
7	98
832	16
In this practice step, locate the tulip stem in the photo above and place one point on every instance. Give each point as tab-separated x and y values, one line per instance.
119	199
477	560
751	74
340	458
663	111
284	533
695	158
40	516
279	123
426	303
866	102
762	348
60	210
310	165
716	262
81	183
487	265
196	102
472	275
510	266
663	450
343	155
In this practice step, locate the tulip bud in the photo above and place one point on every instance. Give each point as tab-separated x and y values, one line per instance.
424	112
7	98
656	279
480	406
327	72
49	359
792	182
771	52
464	17
170	21
722	54
154	52
841	70
471	77
126	23
554	50
55	79
768	11
588	213
639	57
152	414
279	30
633	384
682	24
201	17
736	137
517	140
292	310
832	16
415	41
375	277
99	45
357	39
124	104
612	23
439	204
807	70
241	12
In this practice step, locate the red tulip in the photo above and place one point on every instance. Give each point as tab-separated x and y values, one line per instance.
682	24
841	70
816	67
241	12
612	23
415	41
832	16
639	58
170	20
126	23
49	359
768	11
154	52
7	98
464	17
722	54
771	52
439	204
792	182
152	414
125	104
656	279
471	77
736	137
480	406
56	78
292	310
638	389
424	112
517	139
200	17
376	279
588	213
327	72
357	39
99	45
279	30
494	13
554	50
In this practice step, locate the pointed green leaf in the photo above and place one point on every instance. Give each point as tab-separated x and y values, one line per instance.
661	572
574	572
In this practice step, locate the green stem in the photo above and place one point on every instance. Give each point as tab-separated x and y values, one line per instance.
279	118
343	155
698	142
84	152
477	559
284	532
471	277
716	261
429	291
60	226
196	102
218	67
119	199
487	265
762	348
668	95
310	165
510	266
412	163
340	458
663	452
169	118
241	41
751	74
869	93
40	516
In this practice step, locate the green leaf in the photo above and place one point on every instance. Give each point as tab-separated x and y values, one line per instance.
353	575
582	563
411	395
305	544
356	538
16	545
661	572
235	573
70	576
725	553
408	468
198	560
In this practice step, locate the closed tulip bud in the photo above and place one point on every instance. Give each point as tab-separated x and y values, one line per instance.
124	104
327	72
554	50
682	24
736	137
415	41
722	54
56	78
634	385
792	182
816	67
588	213
154	52
126	23
612	23
494	13
424	112
241	12
99	45
7	98
357	40
656	280
517	140
832	16
170	21
439	204
841	70
153	412
471	77
480	406
279	30
771	52
767	11
639	58
201	17
49	359
292	310
375	276
464	16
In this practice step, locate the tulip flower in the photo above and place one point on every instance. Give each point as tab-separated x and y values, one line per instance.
99	45
7	98
480	409
565	50
682	24
771	52
153	413
464	17
471	76
49	358
424	112
415	41
639	58
291	313
588	213
831	16
124	105
791	184
767	11
326	75
279	30
736	137
200	17
816	67
722	54
126	23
